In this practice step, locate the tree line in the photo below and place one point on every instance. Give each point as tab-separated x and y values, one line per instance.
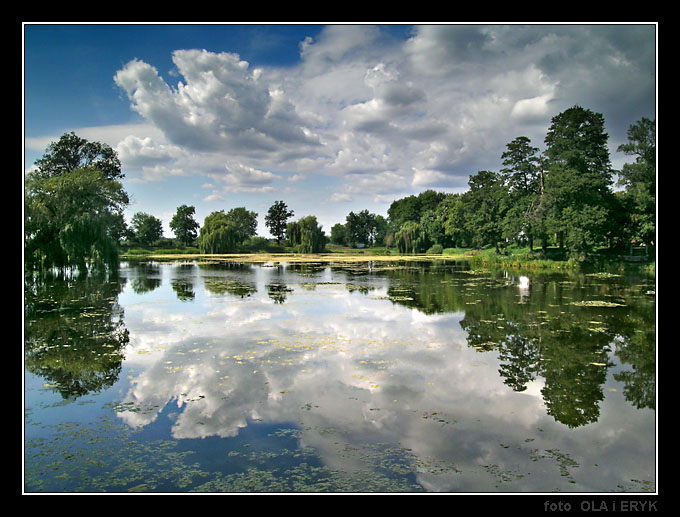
563	196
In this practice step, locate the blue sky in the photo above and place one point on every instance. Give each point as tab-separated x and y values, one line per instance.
328	118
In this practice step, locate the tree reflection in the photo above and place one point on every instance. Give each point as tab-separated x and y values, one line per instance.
74	333
540	332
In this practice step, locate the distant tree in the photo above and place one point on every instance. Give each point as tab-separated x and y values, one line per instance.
486	204
522	177
411	238
277	219
245	222
365	228
412	207
72	152
358	227
639	180
148	229
219	234
452	213
339	234
379	230
306	235
184	225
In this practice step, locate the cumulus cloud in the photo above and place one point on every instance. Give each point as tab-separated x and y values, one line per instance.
383	115
221	105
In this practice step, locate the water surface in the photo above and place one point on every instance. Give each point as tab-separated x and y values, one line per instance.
371	377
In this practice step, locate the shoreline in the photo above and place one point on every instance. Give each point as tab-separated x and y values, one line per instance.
481	260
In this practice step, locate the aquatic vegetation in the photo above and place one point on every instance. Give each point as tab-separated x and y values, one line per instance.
338	377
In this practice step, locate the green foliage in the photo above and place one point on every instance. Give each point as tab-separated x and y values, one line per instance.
578	179
226	232
410	208
306	235
435	249
71	152
411	238
639	180
184	225
276	219
339	234
365	228
218	234
73	206
486	204
245	223
148	229
73	218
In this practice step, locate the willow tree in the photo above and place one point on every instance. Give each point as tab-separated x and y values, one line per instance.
411	238
73	219
219	234
73	206
306	235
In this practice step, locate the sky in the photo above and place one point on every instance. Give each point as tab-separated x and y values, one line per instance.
327	118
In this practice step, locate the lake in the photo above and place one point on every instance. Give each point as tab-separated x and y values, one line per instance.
349	377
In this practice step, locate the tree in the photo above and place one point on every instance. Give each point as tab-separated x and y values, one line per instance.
184	225
339	234
522	177
277	218
73	218
148	229
578	180
365	228
245	223
74	205
219	234
452	213
411	238
485	206
72	152
639	180
306	235
412	207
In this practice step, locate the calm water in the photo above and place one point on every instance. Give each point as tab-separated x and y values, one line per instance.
356	377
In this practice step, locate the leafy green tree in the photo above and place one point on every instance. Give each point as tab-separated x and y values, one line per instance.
306	235
452	213
245	222
358	228
339	234
485	206
522	176
148	229
379	230
277	218
639	180
578	180
73	218
402	210
184	225
412	207
412	238
365	228
219	234
72	152
74	203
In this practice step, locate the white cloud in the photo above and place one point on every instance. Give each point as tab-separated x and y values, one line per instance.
389	116
222	104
